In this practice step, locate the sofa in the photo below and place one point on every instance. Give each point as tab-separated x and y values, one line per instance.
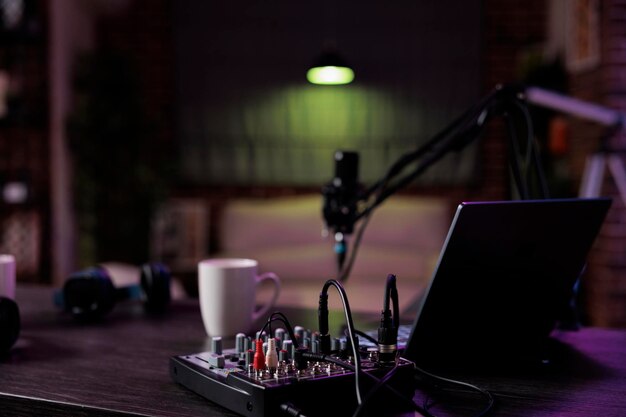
404	237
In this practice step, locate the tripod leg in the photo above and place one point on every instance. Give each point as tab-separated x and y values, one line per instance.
592	177
619	175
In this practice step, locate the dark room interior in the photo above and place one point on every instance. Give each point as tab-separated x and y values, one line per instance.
136	134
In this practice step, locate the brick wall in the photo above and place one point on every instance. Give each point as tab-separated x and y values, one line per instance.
24	150
144	34
122	135
606	287
510	28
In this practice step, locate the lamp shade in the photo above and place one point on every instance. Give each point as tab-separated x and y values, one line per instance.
330	69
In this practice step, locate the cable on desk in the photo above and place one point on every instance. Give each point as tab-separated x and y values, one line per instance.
426	406
327	358
390	374
291	410
483	392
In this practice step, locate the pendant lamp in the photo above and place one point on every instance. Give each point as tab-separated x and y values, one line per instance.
330	69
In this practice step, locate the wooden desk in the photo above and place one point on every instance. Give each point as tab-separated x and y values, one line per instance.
120	367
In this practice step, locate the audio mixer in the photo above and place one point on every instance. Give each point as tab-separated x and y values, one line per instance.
283	377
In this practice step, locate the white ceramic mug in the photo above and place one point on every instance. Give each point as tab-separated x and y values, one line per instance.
227	292
7	276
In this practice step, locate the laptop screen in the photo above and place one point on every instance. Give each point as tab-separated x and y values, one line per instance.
505	274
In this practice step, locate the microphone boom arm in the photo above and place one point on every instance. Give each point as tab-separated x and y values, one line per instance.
506	101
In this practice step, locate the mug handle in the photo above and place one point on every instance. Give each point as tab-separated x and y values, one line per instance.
259	279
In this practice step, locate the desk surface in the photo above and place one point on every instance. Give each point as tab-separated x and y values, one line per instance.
120	367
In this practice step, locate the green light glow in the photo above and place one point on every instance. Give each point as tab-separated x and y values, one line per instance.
330	75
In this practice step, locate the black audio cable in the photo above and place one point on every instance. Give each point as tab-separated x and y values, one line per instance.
532	150
283	319
300	363
485	393
426	412
322	318
504	101
388	329
291	410
381	383
328	358
347	268
323	327
366	336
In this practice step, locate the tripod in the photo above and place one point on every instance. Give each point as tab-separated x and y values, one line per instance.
593	175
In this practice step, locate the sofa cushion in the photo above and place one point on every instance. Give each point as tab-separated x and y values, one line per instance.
318	262
401	221
404	237
250	224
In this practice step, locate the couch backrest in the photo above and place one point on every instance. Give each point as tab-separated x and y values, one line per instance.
406	221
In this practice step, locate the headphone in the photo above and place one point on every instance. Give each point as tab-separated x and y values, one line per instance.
91	294
9	323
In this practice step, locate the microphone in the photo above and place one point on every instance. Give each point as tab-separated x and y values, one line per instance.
340	200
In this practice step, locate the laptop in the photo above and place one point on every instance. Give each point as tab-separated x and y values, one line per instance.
504	278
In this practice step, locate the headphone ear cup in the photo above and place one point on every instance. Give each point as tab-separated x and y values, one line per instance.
89	294
9	323
155	282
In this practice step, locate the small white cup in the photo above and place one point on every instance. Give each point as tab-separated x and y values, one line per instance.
7	276
227	292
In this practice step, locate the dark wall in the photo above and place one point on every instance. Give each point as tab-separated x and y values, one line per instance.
247	116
